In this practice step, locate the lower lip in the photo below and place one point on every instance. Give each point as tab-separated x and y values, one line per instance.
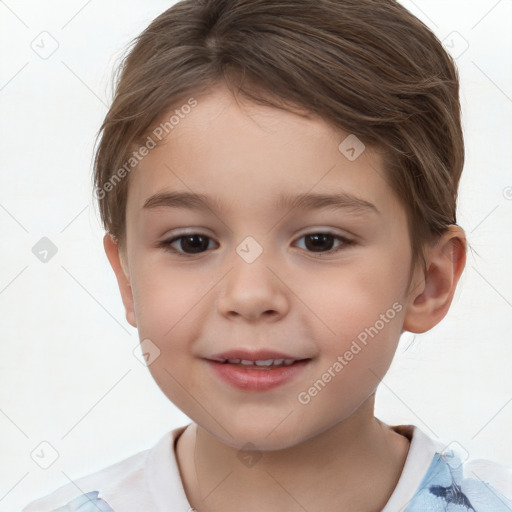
252	379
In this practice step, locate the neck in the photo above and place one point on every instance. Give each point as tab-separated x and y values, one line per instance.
329	472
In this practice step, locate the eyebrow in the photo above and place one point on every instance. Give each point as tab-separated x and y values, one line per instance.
306	201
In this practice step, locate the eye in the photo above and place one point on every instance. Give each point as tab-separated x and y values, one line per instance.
322	242
190	244
197	243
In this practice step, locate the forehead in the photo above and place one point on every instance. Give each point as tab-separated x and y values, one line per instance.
239	154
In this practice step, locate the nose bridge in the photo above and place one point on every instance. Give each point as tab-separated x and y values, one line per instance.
251	288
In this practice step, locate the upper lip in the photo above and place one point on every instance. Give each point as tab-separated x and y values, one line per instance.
252	355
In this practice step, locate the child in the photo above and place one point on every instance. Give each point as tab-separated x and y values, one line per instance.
261	129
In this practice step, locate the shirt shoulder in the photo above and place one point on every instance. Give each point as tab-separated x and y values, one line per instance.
114	477
125	486
451	484
439	477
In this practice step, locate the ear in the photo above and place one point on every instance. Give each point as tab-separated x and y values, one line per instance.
433	293
115	257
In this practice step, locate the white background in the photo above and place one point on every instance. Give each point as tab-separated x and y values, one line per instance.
68	373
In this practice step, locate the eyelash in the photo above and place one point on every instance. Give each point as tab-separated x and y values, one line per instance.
166	244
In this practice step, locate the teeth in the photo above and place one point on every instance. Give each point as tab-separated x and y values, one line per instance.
268	362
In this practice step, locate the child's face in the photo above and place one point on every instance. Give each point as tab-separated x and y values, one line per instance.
298	297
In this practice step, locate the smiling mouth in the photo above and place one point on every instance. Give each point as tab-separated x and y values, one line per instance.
267	364
257	375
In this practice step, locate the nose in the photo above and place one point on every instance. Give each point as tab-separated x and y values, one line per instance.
253	291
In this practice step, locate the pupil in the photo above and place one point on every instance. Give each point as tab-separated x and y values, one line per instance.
318	241
187	243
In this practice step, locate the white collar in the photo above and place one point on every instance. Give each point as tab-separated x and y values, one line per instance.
421	452
166	487
163	475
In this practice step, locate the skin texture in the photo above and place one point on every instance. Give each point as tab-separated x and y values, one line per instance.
314	456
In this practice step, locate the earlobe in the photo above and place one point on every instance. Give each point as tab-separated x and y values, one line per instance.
431	298
122	275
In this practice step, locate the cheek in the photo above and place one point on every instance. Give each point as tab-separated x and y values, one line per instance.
168	310
171	322
361	308
355	296
164	298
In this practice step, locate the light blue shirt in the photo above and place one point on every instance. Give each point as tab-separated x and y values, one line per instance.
443	489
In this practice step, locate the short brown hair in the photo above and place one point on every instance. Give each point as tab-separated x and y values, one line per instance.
368	67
